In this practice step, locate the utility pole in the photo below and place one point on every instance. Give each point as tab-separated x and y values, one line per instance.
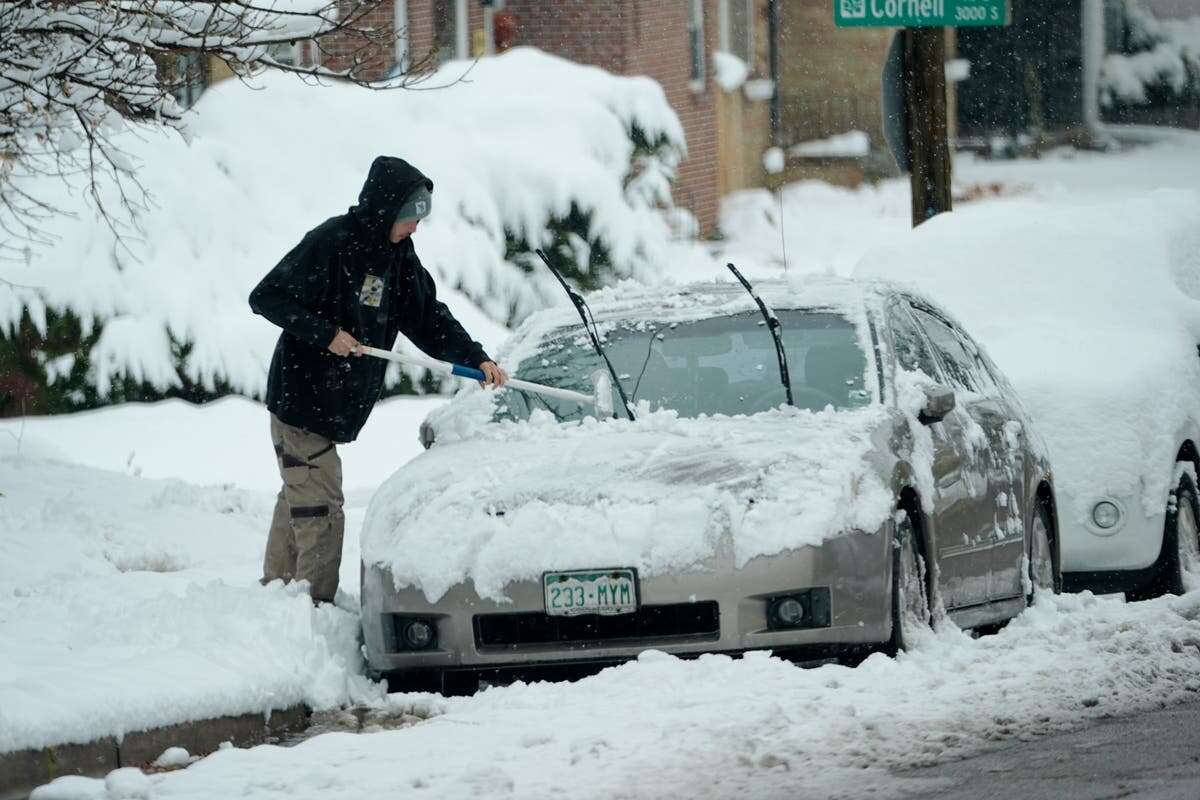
928	136
914	84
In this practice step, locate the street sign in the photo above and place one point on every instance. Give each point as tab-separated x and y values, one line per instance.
920	13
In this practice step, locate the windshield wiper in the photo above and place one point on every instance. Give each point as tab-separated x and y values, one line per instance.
776	329
592	331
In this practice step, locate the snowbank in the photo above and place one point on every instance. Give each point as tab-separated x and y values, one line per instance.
263	165
222	442
717	727
127	604
827	228
1093	312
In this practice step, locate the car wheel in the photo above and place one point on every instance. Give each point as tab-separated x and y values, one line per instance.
911	618
1179	567
1044	577
1184	573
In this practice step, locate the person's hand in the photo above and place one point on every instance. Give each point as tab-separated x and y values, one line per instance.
496	376
344	344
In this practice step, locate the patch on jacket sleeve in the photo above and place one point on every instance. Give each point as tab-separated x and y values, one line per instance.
372	291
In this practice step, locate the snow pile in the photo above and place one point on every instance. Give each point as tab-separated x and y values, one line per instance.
717	727
1165	57
773	160
827	228
730	71
233	198
128	604
662	494
1093	312
851	144
175	439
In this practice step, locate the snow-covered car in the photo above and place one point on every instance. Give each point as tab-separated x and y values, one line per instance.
1093	310
719	519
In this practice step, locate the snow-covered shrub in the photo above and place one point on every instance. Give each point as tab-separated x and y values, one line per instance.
527	151
1159	63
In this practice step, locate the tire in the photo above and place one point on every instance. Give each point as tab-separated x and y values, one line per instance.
1044	574
1179	564
911	616
1183	568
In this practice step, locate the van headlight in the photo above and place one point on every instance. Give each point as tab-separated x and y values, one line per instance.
1106	515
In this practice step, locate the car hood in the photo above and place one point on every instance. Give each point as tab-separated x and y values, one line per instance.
660	494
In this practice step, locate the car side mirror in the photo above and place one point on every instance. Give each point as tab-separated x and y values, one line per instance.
939	401
426	435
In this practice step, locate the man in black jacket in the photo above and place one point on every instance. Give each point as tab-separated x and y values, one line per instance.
353	280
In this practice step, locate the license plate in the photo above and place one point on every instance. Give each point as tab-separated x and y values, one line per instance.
590	591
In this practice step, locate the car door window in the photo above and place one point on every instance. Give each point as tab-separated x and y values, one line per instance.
961	366
912	351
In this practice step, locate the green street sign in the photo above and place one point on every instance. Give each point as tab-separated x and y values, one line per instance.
920	13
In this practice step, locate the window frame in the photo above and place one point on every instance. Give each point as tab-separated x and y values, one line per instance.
900	309
401	53
697	57
725	25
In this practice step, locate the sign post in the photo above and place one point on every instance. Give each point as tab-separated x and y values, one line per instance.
914	84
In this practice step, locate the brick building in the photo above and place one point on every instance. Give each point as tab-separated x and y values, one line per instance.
671	41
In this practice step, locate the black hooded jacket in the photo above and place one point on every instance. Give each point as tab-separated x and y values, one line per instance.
347	274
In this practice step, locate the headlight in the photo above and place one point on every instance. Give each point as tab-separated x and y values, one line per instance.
788	612
1106	515
415	634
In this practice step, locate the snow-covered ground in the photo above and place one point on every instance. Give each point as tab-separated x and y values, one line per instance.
719	727
829	228
131	540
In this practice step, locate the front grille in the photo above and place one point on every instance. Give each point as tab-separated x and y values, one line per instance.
648	622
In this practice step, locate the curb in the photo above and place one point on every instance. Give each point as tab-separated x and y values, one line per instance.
21	771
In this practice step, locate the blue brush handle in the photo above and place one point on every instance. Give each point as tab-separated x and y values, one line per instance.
467	372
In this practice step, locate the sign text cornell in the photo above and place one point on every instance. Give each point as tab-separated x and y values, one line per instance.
920	13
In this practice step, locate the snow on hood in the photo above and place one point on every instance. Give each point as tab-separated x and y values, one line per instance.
1092	312
504	502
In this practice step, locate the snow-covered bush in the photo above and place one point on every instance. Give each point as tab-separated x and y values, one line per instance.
528	151
1159	63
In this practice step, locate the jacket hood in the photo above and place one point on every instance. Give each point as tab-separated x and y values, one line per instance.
388	184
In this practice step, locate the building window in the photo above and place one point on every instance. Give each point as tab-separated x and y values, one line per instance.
298	54
450	29
737	29
696	43
187	77
400	26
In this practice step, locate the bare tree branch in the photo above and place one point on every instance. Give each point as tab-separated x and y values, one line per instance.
75	73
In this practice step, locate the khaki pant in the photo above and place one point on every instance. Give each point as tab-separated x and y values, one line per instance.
306	531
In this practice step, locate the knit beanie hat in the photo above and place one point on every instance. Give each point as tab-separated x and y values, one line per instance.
416	206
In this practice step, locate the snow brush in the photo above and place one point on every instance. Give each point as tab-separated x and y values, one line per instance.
600	398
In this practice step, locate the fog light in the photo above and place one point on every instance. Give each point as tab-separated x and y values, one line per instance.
788	612
418	634
1106	515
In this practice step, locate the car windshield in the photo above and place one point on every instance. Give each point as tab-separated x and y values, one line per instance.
722	365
